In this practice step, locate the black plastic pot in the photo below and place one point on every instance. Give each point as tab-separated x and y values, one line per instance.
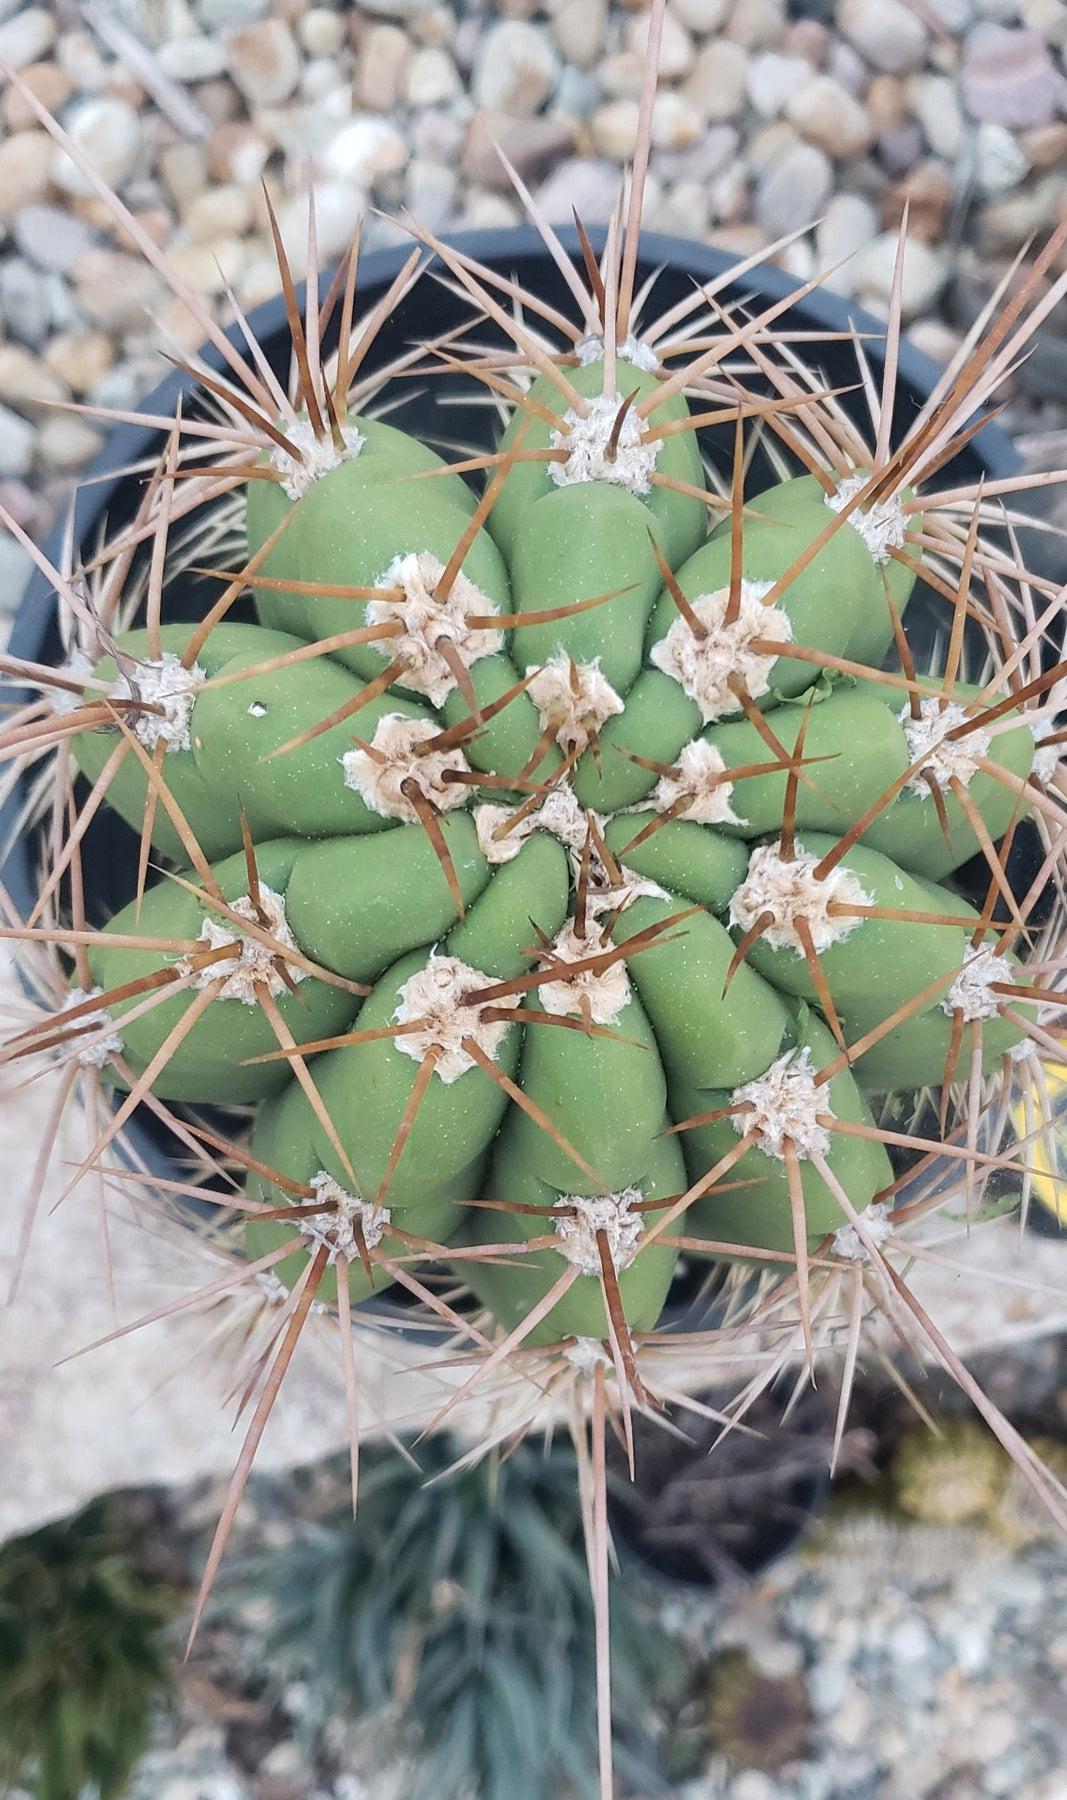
110	493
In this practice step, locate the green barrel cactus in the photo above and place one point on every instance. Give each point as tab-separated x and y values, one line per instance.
566	858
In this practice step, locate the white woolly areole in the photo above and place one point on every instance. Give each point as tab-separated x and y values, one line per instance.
1047	757
312	456
255	960
791	890
877	1225
703	666
435	997
94	1055
573	698
605	990
586	439
426	620
972	991
78	667
615	898
784	1103
609	1213
883	527
590	349
560	814
696	776
378	775
166	683
942	757
335	1227
586	1355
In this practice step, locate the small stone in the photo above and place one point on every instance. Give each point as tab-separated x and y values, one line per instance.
25	169
924	273
28	36
531	145
717	84
885	103
954	15
756	23
431	192
16	567
220	211
1000	163
621	75
321	31
900	149
17	438
1048	18
183	170
846	228
365	149
927	192
264	62
108	133
48	83
810	39
432	78
887	33
1046	147
79	359
1009	78
933	100
613	129
395	9
220	15
236	152
728	200
207	267
847	66
52	237
66	442
116	289
383	55
588	184
676	45
25	382
516	69
701	16
578	28
485	211
827	115
26	301
675	124
194	58
772	79
794	189
77	54
768	145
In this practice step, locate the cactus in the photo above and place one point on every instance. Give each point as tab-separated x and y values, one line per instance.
957	1477
566	868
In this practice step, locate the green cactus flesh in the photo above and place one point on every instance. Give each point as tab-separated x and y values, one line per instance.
571	917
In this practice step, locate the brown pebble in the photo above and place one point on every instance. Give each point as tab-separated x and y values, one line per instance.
48	83
928	190
810	39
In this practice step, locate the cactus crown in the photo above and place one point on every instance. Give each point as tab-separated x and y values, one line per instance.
566	867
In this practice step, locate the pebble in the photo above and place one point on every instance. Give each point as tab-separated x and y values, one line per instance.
25	169
887	33
718	82
676	45
25	301
67	442
364	149
772	79
115	288
80	359
193	58
28	36
1000	163
578	28
52	237
432	78
924	273
588	184
756	23
613	129
529	144
48	83
827	115
264	62
927	191
1048	18
701	16
108	134
217	211
25	381
1009	78
849	223
675	123
933	100
321	31
1046	147
17	439
794	189
383	54
516	69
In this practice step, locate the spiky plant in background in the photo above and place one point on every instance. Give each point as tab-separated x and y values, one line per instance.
83	1657
456	1619
566	885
